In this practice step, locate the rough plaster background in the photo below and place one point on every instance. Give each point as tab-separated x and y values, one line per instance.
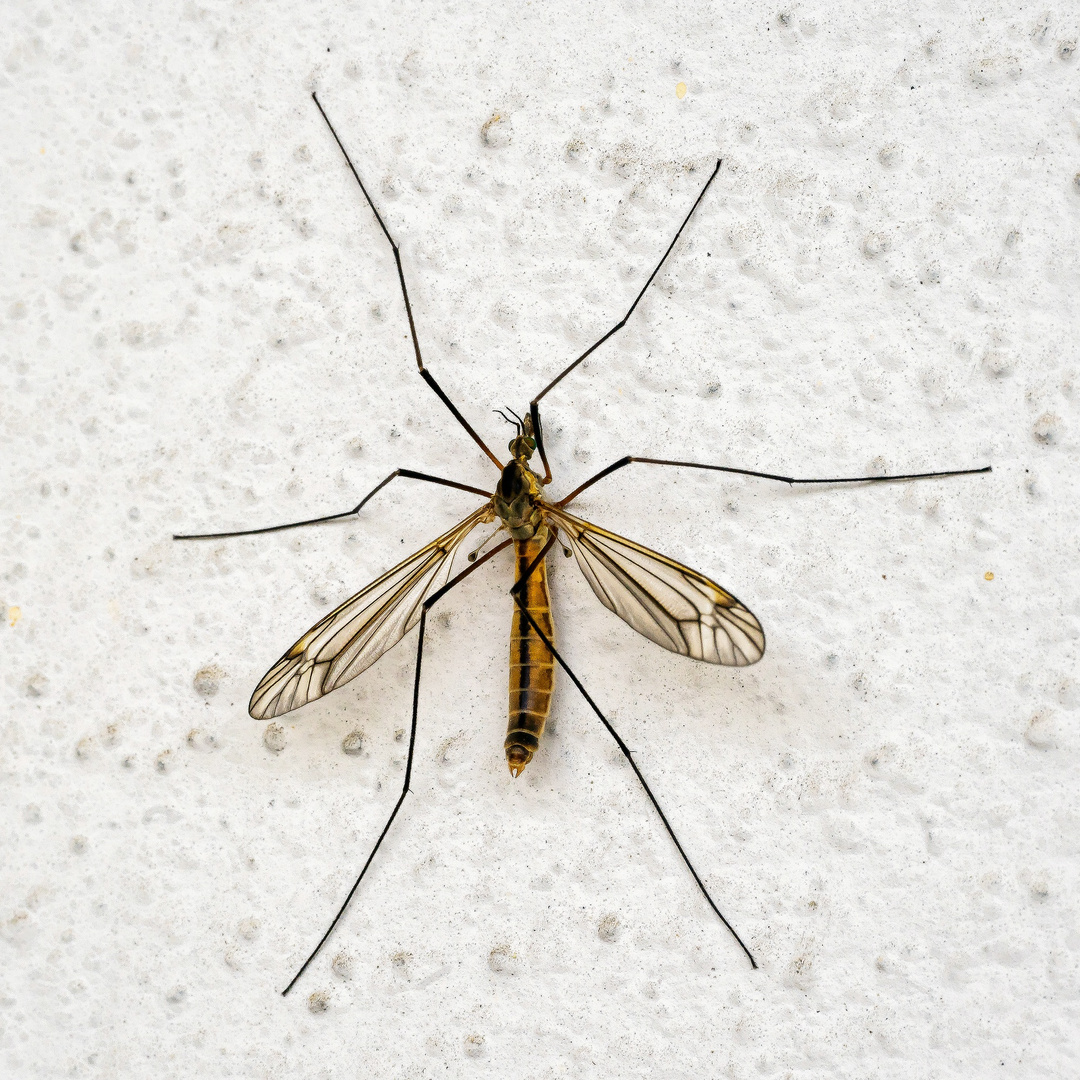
202	330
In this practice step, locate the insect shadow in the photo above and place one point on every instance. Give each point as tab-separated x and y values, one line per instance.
668	603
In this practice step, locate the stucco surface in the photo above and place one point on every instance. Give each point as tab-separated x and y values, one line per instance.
202	330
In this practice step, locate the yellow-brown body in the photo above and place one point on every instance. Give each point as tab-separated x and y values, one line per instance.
532	667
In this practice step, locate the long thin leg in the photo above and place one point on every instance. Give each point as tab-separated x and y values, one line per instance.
516	591
534	405
425	374
428	604
407	473
623	462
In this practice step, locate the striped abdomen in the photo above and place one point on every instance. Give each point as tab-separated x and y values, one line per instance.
532	667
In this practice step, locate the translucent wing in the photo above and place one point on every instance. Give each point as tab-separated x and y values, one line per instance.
353	636
667	602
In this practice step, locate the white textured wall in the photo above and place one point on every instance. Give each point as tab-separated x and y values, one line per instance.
202	330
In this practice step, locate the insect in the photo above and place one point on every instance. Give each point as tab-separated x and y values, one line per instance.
670	604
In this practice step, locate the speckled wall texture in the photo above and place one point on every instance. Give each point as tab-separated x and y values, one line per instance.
203	331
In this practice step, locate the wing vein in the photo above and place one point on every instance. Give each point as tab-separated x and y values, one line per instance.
356	633
668	603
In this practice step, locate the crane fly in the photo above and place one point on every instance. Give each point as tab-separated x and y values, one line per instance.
670	604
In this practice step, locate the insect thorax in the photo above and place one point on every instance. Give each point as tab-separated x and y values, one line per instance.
517	498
